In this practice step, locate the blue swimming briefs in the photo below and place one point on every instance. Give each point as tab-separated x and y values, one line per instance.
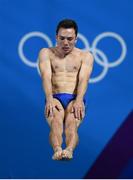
65	98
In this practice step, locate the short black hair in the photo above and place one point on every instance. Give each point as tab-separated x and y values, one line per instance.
67	23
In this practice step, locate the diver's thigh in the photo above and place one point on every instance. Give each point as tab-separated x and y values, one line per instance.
69	115
58	112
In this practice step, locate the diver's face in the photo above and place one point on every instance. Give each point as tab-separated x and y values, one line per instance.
66	39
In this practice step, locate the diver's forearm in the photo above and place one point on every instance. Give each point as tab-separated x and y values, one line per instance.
47	86
82	86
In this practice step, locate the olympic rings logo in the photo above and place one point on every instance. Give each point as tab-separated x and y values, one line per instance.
104	63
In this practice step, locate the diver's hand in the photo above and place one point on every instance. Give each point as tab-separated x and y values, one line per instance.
78	109
49	108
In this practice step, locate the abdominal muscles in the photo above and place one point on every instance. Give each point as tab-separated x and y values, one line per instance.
63	82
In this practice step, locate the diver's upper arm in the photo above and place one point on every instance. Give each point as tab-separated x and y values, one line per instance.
44	63
86	67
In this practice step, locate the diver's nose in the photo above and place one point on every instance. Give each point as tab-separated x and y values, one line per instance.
65	41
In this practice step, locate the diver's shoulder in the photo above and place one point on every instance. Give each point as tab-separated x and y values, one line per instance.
88	54
44	50
47	51
83	53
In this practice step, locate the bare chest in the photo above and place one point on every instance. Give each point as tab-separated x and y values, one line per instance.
67	64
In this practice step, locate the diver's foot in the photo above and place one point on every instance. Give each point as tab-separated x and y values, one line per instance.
57	153
67	153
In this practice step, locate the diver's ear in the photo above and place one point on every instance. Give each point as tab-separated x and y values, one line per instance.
76	40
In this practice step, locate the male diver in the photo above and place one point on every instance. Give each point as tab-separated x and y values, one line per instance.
65	71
